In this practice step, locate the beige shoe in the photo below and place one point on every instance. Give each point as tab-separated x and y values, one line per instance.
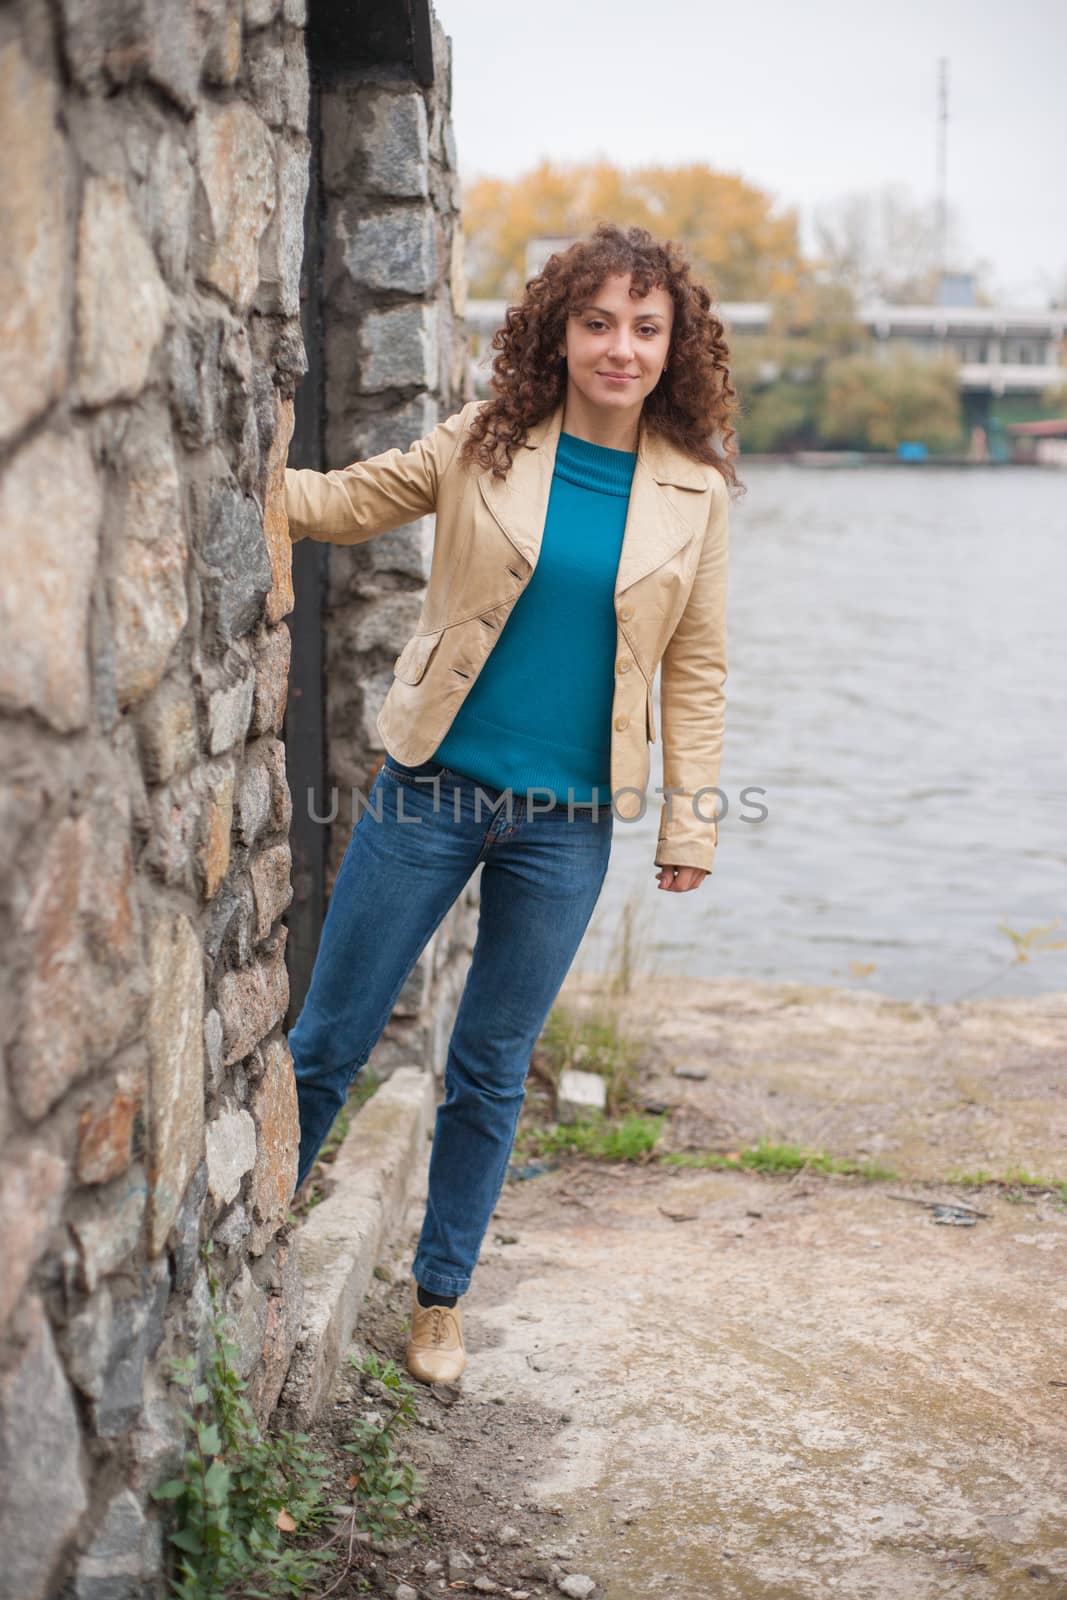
435	1345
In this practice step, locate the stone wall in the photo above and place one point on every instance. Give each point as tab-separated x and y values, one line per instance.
395	361
153	165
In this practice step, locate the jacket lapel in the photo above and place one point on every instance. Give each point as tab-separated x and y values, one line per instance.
655	525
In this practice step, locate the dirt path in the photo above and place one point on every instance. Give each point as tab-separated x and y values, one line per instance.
702	1385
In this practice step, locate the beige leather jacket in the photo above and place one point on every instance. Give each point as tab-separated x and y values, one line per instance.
670	602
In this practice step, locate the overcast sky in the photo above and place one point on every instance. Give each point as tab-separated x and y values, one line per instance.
807	101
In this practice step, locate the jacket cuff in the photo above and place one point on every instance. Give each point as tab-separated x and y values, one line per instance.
293	503
675	853
686	839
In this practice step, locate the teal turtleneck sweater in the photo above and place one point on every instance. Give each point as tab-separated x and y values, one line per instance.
539	713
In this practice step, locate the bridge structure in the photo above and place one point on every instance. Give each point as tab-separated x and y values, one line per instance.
1001	350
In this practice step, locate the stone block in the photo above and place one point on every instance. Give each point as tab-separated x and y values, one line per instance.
50	510
233	544
247	1309
213	1049
271	752
125	1554
229	707
176	1072
253	803
117	991
265	66
40	1448
195	352
32	1184
147	588
252	1002
168	206
174	813
271	874
230	934
580	1094
388	623
168	739
222	46
357	439
296	84
280	601
236	168
272	653
398	349
109	46
108	1132
281	250
122	302
275	1109
185	1235
136	1331
51	1050
106	1226
407	550
375	140
394	249
216	827
231	1233
85	1342
33	206
457	275
231	1151
155	1443
285	1308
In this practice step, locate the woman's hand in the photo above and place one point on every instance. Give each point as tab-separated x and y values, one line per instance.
679	879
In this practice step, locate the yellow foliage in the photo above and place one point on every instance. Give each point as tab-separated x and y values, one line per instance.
738	245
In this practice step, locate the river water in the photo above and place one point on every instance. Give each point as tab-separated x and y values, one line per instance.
898	688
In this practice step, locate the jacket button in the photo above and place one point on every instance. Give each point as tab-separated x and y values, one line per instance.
622	722
625	613
624	664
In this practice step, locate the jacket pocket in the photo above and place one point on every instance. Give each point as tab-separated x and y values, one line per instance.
413	660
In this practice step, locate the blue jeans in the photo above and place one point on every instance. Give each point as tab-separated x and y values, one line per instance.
400	875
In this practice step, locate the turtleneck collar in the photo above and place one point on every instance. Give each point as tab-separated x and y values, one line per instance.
594	466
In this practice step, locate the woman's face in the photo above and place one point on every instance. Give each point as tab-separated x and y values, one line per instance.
617	345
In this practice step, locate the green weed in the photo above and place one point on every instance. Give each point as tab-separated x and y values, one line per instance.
629	1139
765	1156
387	1490
592	1042
241	1491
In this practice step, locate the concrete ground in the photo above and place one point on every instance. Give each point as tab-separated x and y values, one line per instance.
706	1385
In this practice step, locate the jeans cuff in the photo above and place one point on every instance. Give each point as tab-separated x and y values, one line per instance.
439	1282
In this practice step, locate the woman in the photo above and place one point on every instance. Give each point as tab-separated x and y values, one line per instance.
580	539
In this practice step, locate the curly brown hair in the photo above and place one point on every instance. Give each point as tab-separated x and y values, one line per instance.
693	400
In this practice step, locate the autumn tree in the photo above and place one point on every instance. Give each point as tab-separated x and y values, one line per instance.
736	240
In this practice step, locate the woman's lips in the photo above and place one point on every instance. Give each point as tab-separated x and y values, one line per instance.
617	377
